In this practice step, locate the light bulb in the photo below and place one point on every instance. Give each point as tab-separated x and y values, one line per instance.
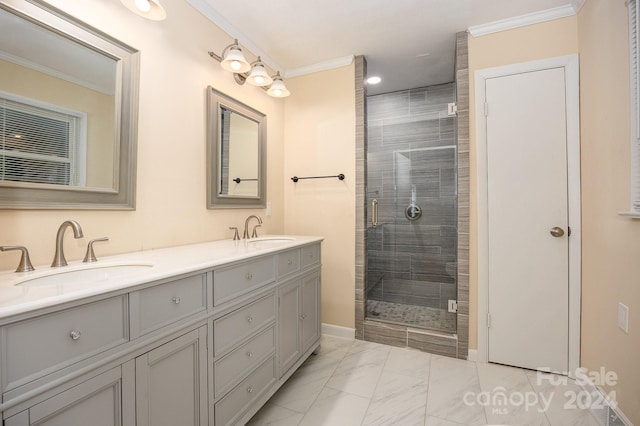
143	5
259	79
236	65
277	92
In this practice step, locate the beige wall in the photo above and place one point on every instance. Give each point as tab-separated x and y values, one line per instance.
320	140
610	243
171	202
554	38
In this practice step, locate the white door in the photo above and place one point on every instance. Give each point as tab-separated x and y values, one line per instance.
528	248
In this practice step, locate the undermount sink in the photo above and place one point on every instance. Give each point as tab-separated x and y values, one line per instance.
271	240
85	273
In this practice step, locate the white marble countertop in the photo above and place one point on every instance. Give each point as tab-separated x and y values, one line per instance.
19	293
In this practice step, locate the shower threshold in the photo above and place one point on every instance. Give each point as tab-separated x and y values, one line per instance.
411	315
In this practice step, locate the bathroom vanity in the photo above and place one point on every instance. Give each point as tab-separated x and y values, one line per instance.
201	334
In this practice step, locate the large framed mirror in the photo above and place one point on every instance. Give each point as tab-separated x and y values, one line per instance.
236	153
68	112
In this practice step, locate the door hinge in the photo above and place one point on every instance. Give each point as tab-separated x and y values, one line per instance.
486	109
488	320
568	231
453	306
452	109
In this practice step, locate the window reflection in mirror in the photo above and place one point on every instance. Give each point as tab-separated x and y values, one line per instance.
57	108
236	153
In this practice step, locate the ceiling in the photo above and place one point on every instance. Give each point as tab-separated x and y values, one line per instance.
409	43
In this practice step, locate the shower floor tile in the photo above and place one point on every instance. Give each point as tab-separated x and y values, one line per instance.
416	316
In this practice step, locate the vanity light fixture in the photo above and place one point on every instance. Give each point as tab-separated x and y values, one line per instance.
278	89
254	73
259	76
233	59
150	9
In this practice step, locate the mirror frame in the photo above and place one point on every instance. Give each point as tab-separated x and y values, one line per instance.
215	200
122	195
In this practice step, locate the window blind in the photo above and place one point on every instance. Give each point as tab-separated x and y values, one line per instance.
37	144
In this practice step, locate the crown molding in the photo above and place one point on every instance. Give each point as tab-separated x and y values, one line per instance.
528	19
577	4
320	66
207	10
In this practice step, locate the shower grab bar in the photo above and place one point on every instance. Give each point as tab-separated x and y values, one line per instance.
374	213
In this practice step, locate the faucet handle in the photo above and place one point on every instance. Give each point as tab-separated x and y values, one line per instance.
236	236
90	256
255	231
25	263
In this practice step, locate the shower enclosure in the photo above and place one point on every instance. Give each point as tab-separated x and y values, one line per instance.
411	194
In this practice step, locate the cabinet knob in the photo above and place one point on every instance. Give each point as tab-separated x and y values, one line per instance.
249	354
250	389
249	319
289	262
176	300
249	276
303	316
75	334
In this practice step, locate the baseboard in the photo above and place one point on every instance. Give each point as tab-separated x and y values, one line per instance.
472	355
612	416
338	331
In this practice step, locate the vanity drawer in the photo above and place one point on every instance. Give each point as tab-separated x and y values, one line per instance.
288	262
250	389
160	305
310	255
36	347
243	359
231	282
238	325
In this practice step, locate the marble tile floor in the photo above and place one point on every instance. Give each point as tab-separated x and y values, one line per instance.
353	382
411	315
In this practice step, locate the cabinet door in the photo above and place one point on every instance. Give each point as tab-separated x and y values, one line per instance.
289	333
171	382
96	402
310	310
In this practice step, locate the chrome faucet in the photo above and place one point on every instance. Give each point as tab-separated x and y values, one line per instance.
245	235
58	258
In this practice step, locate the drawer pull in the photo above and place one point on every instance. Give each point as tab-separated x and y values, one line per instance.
249	354
176	300
249	319
250	389
249	276
289	262
75	334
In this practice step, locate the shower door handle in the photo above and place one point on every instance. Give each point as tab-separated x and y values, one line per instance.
374	213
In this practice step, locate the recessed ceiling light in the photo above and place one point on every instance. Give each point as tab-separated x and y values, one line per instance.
374	80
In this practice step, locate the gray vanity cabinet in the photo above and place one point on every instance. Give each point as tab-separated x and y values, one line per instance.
203	348
298	319
97	401
171	382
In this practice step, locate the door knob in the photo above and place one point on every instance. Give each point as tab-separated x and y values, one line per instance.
556	231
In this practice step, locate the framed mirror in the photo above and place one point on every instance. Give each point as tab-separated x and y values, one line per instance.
68	112
236	153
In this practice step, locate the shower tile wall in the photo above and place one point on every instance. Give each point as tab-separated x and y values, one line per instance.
412	262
